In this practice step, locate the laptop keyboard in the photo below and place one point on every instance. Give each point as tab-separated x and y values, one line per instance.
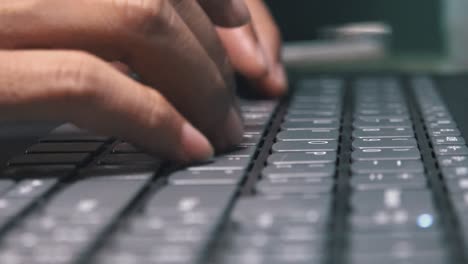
345	170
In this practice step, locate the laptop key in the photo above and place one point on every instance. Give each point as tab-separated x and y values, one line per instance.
5	185
10	207
302	157
375	181
454	172
448	140
65	147
415	202
178	200
223	164
382	123
242	151
383	132
31	188
384	143
309	125
294	188
386	154
299	171
124	147
49	159
390	166
188	177
312	146
448	161
451	150
38	171
98	196
444	132
127	158
306	135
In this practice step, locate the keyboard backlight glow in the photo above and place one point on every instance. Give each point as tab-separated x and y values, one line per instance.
425	220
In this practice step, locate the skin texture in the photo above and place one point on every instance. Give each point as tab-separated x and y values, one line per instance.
54	65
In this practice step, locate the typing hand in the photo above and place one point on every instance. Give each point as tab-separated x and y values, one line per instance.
53	65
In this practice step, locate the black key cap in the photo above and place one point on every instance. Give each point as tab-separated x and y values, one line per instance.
383	143
299	171
48	159
5	185
453	172
95	197
222	164
173	200
254	129
287	210
378	181
447	161
124	159
448	140
381	245
383	132
307	135
303	110
382	123
302	158
65	147
457	185
313	146
444	132
188	177
31	188
10	207
451	150
294	187
38	171
386	154
250	140
415	201
124	147
241	152
308	125
390	166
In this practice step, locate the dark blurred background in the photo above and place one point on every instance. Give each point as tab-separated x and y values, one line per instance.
417	24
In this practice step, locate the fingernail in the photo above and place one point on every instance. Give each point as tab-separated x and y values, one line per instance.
196	145
241	10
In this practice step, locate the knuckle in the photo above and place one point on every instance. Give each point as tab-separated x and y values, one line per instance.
76	75
142	15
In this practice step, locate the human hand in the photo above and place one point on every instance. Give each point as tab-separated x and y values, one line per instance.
53	65
255	48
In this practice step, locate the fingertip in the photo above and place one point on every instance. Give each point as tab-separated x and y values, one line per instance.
279	79
275	84
245	52
196	146
241	11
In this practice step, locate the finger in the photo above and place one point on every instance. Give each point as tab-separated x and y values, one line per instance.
244	51
150	37
226	13
75	86
270	40
202	28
